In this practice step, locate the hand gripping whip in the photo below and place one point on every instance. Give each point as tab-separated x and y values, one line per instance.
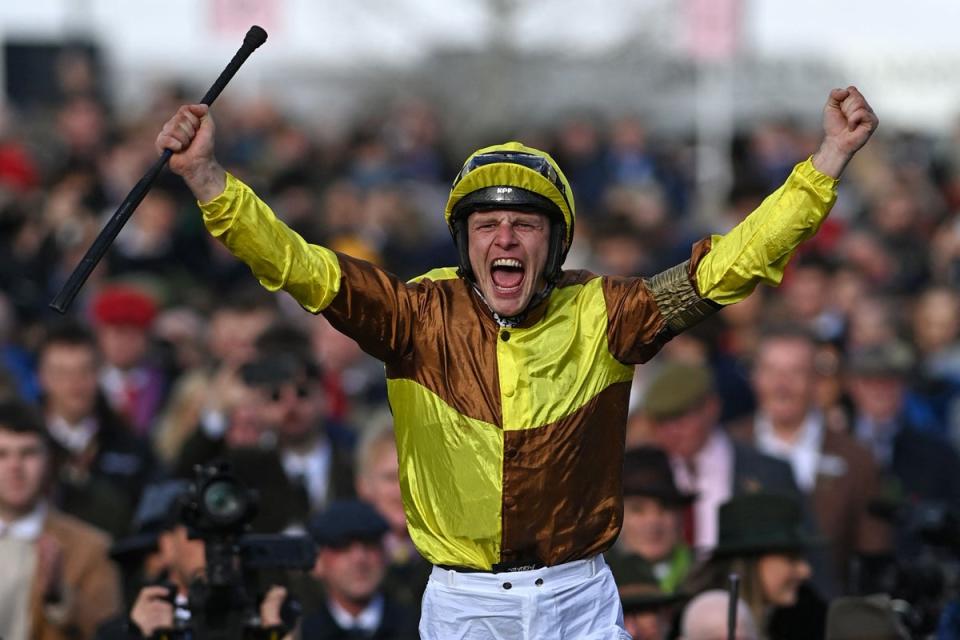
254	38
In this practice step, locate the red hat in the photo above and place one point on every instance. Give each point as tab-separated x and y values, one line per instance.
124	305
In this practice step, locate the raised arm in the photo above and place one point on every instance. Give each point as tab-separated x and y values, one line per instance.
758	249
722	270
368	304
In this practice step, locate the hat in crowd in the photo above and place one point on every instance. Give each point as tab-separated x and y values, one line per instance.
894	359
156	512
677	388
758	523
864	618
124	305
640	590
288	342
647	472
346	521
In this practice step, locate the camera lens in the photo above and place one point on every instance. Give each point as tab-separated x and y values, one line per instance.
225	501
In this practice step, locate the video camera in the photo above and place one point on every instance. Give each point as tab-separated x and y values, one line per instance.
218	509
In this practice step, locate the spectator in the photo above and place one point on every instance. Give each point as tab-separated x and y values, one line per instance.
58	581
838	474
683	409
165	607
647	610
762	540
351	566
139	555
920	467
197	396
135	388
290	454
653	510
105	466
316	453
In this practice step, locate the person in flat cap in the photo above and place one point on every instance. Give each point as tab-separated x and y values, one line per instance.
864	618
351	565
683	409
653	509
763	539
133	383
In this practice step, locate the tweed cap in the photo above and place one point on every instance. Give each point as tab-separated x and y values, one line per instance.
676	389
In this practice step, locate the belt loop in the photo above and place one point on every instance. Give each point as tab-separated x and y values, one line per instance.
595	565
451	576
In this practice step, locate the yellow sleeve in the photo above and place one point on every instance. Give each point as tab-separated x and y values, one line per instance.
277	255
758	249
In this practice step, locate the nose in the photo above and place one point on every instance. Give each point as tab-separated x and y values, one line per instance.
505	236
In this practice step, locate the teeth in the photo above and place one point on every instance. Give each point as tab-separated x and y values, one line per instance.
508	262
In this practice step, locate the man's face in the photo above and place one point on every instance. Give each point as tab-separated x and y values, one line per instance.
650	528
23	471
186	558
292	408
684	435
508	252
783	379
123	346
352	572
68	375
878	397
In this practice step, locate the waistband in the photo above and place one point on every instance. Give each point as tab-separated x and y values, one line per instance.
568	572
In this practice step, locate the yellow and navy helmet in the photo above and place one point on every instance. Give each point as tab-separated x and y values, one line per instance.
512	176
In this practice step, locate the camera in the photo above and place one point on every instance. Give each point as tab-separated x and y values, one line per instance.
218	509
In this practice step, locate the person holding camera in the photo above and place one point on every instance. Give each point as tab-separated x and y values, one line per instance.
163	609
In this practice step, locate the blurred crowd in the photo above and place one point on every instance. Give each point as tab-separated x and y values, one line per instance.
805	438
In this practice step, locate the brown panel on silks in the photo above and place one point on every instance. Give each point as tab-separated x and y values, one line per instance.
575	468
456	352
449	344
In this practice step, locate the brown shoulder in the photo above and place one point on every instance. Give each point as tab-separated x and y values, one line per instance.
73	532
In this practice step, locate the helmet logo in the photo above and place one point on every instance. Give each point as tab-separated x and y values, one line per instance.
504	190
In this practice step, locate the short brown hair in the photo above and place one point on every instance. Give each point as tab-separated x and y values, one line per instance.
19	417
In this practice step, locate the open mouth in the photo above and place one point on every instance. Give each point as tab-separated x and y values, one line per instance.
507	275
